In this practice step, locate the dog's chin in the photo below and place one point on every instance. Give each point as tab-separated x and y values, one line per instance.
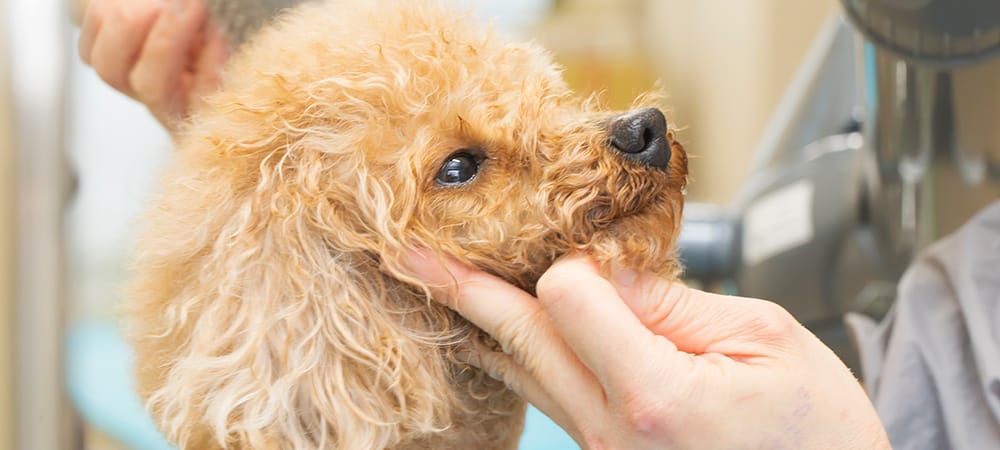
642	240
635	230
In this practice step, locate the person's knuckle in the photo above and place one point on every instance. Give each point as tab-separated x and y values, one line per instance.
592	433
644	413
84	50
145	89
506	375
537	330
593	440
132	15
775	319
123	14
164	39
100	62
520	333
500	369
554	286
132	25
110	76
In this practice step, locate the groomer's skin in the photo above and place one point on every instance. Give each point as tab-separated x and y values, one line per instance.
163	53
638	362
627	363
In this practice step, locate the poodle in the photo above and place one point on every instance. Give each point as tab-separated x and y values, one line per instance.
270	308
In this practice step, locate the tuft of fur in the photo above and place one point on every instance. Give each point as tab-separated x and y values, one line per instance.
269	308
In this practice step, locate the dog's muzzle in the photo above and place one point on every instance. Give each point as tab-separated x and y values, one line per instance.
641	136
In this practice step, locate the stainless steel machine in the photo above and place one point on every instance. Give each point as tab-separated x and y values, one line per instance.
887	140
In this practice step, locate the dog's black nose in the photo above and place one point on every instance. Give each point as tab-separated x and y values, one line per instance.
641	135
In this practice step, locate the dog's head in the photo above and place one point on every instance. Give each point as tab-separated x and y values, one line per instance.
428	133
343	135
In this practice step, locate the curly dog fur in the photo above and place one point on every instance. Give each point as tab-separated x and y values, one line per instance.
270	308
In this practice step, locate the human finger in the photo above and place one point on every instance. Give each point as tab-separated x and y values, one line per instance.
120	39
503	367
92	21
590	316
515	319
165	59
452	282
701	322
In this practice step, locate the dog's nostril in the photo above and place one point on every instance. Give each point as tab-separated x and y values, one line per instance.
641	135
648	134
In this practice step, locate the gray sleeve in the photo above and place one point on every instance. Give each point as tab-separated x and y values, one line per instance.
932	367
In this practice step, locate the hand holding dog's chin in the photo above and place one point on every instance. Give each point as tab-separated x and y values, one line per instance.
164	54
641	362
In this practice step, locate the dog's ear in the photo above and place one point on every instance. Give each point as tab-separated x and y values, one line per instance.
260	322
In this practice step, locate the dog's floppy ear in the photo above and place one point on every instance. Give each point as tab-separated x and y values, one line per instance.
260	322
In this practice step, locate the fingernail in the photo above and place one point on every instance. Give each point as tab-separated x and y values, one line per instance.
623	276
415	259
467	357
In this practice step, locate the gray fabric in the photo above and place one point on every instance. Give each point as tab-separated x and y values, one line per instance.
932	367
240	19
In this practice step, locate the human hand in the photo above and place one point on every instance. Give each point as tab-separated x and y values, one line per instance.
641	362
163	53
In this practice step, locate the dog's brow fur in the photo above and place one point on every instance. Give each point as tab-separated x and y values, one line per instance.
269	308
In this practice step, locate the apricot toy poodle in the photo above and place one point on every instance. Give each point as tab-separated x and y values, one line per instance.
270	307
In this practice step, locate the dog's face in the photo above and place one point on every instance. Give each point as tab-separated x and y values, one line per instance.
516	172
267	293
457	141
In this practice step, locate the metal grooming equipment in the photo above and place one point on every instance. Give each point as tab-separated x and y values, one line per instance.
887	139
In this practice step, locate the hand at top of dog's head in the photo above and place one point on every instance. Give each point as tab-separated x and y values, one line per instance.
266	295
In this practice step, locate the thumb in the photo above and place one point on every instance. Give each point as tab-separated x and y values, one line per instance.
701	322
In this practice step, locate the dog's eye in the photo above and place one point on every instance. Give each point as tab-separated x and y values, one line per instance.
459	169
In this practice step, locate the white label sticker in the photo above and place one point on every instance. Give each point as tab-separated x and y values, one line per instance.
778	222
